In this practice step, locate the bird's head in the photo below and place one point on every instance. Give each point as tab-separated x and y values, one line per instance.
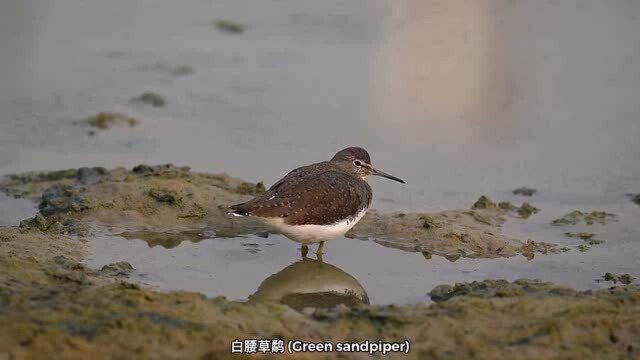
356	160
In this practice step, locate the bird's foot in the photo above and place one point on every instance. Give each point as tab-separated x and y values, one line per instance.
304	250
319	251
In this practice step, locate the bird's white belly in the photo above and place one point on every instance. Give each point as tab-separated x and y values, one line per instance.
314	233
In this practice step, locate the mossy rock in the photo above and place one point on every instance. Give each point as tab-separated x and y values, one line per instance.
484	203
169	197
524	191
62	198
106	120
150	98
121	268
230	27
575	217
499	288
527	210
618	278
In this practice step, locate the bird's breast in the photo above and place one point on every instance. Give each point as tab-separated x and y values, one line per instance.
313	233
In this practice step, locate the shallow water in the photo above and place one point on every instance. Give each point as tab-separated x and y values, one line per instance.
12	210
458	98
235	267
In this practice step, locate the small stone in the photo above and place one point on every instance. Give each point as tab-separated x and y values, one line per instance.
524	191
165	196
86	174
142	169
578	216
608	276
582	235
196	212
150	98
429	223
441	292
62	198
129	286
483	203
121	268
40	222
230	27
583	247
67	263
507	206
56	228
527	210
106	120
615	278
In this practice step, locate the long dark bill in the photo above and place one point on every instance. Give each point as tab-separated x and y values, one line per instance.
384	174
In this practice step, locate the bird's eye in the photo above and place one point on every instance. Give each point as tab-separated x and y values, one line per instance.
357	163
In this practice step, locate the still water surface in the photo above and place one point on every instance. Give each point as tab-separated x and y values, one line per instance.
458	98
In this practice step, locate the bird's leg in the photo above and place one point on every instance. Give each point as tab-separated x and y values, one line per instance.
304	250
319	251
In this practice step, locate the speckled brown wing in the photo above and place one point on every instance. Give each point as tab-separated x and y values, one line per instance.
321	196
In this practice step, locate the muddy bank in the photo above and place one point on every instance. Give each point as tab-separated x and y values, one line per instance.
159	198
51	304
169	204
456	233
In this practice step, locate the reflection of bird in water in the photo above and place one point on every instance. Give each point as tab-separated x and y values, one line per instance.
317	202
311	283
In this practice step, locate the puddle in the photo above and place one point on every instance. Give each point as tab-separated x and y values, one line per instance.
241	268
13	210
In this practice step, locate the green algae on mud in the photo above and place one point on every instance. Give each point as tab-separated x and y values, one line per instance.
107	120
499	288
575	217
150	98
618	278
581	235
230	27
587	237
120	268
524	211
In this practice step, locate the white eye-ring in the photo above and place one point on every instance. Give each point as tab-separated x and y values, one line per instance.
357	163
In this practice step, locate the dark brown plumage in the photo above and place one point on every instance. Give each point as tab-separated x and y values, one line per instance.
319	194
324	193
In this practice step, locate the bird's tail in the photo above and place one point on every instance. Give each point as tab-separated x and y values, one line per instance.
238	210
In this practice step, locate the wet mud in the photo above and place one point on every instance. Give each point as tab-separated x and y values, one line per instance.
472	233
51	303
167	200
